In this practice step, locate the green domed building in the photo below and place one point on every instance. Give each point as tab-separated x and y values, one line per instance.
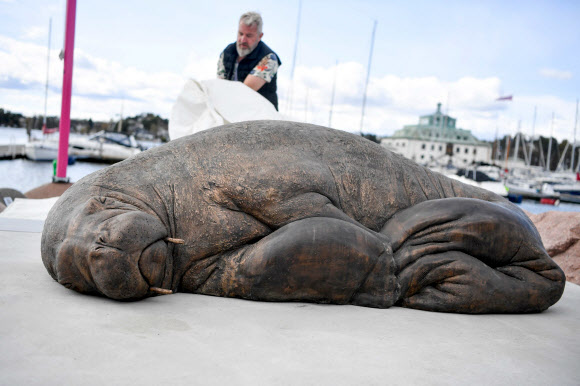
436	140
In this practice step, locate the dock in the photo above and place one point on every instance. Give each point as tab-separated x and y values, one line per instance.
12	151
53	335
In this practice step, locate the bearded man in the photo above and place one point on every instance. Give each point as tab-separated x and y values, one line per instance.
251	61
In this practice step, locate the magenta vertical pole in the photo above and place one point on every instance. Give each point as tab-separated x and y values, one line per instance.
64	127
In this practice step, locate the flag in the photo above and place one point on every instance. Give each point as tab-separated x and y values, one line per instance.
505	98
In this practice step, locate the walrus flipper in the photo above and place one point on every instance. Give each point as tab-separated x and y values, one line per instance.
323	260
471	256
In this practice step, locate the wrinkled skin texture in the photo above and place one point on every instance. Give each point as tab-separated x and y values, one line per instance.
282	211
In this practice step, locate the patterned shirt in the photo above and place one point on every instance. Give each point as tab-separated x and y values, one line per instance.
265	69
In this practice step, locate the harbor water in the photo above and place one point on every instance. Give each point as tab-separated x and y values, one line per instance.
24	175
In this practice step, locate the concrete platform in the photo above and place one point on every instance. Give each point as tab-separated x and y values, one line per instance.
52	336
12	150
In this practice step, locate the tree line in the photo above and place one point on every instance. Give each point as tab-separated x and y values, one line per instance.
142	124
10	119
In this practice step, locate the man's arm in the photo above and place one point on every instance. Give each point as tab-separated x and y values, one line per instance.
254	82
263	72
221	69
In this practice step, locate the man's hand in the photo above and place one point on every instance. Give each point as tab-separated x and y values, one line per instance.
254	82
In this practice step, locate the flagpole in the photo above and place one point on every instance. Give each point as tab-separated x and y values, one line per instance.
505	98
64	127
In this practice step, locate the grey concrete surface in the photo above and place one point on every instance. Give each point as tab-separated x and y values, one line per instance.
53	336
21	225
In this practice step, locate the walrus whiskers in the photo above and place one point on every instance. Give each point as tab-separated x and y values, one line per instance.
160	291
174	241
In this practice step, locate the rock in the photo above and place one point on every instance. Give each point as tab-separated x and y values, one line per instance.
560	232
7	195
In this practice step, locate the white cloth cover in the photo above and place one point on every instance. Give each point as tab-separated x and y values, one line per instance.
210	103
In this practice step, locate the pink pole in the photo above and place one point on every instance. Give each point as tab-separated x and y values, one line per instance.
64	127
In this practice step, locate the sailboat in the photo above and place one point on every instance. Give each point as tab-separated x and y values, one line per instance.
102	146
44	150
541	183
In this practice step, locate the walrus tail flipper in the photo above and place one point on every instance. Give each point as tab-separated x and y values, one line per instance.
471	256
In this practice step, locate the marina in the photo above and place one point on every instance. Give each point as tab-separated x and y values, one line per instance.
23	174
437	143
97	338
20	173
103	146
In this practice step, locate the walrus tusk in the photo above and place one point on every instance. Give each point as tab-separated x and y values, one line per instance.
160	291
174	241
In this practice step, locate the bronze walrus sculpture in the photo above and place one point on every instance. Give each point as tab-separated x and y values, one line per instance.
283	211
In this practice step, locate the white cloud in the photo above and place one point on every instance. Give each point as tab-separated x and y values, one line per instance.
102	87
23	61
34	33
392	101
200	68
555	74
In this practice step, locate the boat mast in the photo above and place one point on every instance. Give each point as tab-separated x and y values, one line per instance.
64	127
507	154
496	144
291	91
532	139
47	75
368	75
541	146
306	104
444	119
120	124
563	156
574	142
332	96
517	139
550	145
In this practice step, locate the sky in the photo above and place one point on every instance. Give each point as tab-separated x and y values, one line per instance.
133	57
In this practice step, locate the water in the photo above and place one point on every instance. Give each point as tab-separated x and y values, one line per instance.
10	135
535	207
24	175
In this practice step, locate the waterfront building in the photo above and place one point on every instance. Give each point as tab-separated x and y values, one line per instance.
436	141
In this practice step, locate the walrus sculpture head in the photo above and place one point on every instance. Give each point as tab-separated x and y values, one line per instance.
283	211
111	248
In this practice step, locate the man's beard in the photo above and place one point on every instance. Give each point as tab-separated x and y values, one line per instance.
242	52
